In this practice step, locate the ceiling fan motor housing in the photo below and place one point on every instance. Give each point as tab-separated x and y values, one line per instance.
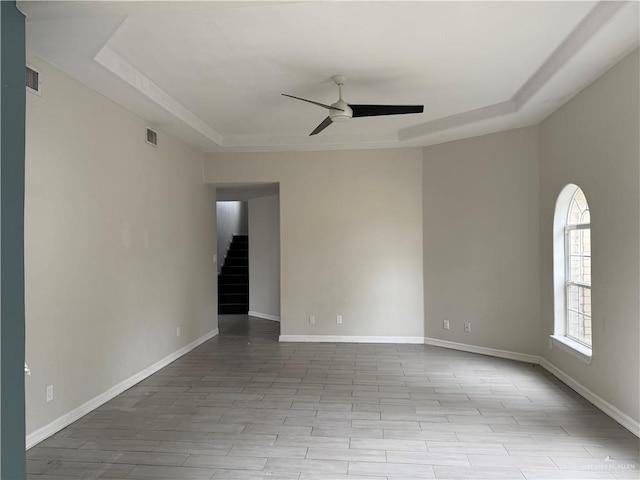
342	115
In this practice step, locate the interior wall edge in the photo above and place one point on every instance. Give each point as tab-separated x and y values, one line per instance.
12	189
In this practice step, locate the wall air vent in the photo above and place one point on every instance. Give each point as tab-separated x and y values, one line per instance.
152	137
33	80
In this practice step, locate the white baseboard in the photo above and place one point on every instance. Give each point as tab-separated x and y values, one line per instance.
618	415
492	352
349	339
68	418
615	413
266	316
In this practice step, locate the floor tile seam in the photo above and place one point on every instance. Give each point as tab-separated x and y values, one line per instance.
55	462
61	462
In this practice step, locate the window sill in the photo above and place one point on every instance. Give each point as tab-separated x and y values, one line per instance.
582	353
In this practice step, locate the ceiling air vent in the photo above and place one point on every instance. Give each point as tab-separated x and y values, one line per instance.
152	137
33	80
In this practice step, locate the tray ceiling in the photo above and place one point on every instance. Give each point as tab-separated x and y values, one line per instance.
212	72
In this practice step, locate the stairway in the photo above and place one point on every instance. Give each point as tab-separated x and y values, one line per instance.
233	280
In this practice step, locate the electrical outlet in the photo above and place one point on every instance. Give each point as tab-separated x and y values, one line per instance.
467	327
445	324
312	319
177	331
339	319
49	393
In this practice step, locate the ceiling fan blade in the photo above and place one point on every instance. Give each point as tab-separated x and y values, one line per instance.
375	110
328	107
325	123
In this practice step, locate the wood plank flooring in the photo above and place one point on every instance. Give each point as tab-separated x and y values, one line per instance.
243	406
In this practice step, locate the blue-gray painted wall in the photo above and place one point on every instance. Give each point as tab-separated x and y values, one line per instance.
12	336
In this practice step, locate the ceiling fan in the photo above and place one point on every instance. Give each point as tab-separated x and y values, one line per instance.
341	111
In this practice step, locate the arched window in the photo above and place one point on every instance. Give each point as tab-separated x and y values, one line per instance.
572	270
578	270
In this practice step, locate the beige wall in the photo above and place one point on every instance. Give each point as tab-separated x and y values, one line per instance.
481	261
120	238
592	141
264	256
351	236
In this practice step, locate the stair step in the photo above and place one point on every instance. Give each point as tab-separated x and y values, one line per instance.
234	270
233	279
230	298
237	308
232	288
234	253
236	262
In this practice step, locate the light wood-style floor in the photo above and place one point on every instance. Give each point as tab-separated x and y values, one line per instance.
243	406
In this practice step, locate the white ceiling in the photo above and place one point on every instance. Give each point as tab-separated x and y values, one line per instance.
212	72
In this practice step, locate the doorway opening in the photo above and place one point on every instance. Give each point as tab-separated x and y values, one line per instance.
233	257
248	259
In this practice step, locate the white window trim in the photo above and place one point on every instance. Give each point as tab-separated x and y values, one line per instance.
576	349
559	337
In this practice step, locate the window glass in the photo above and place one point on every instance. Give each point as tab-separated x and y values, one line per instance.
578	270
